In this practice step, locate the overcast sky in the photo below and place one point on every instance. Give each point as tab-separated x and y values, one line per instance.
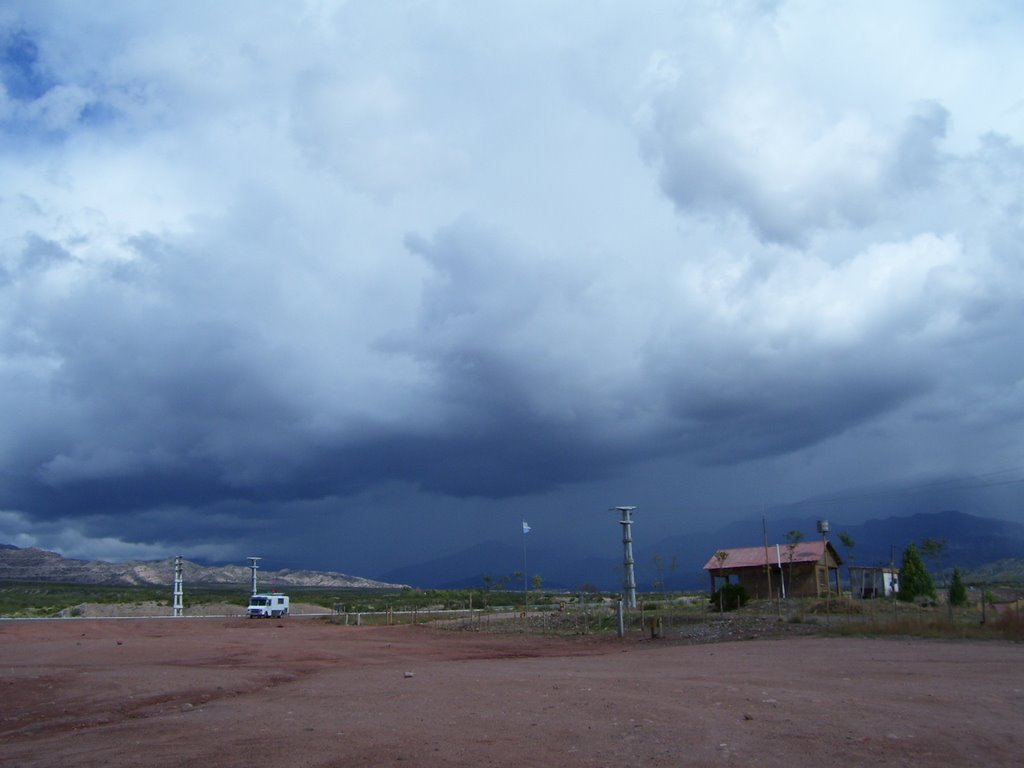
353	285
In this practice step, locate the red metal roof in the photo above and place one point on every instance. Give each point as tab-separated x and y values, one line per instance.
750	557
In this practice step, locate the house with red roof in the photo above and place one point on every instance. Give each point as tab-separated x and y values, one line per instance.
806	569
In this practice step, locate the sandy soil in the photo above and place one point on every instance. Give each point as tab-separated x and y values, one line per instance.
302	692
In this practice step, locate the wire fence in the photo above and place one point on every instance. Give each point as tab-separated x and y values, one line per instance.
700	621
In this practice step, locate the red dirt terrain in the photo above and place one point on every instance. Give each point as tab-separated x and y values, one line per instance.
303	692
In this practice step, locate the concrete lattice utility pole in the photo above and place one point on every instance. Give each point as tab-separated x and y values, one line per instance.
179	587
254	567
629	578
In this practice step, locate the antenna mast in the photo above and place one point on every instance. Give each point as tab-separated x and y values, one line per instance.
629	579
254	567
179	587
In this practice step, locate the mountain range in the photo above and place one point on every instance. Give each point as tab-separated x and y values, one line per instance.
39	565
970	542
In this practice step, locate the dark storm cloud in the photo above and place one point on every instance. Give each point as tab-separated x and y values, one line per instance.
774	417
297	271
171	403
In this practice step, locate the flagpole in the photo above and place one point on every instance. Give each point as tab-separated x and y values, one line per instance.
525	596
526	592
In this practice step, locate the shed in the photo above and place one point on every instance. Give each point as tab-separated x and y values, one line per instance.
873	582
807	569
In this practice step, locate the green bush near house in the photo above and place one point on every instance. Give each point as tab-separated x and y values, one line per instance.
730	597
957	590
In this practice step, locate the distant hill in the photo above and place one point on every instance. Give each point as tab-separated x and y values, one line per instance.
498	565
39	565
1009	571
463	570
494	564
972	542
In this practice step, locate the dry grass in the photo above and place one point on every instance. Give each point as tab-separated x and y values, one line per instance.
937	623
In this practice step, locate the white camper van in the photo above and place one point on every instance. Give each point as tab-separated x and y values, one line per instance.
273	605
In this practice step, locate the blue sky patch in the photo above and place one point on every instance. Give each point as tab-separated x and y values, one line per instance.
23	76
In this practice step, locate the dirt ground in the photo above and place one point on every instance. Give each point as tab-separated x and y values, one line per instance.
302	692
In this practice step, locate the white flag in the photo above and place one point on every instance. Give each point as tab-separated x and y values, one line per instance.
526	527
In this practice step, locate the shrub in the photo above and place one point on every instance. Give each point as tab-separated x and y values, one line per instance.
957	590
730	597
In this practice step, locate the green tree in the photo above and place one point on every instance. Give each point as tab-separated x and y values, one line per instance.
793	539
721	556
659	569
915	581
849	543
933	551
957	590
